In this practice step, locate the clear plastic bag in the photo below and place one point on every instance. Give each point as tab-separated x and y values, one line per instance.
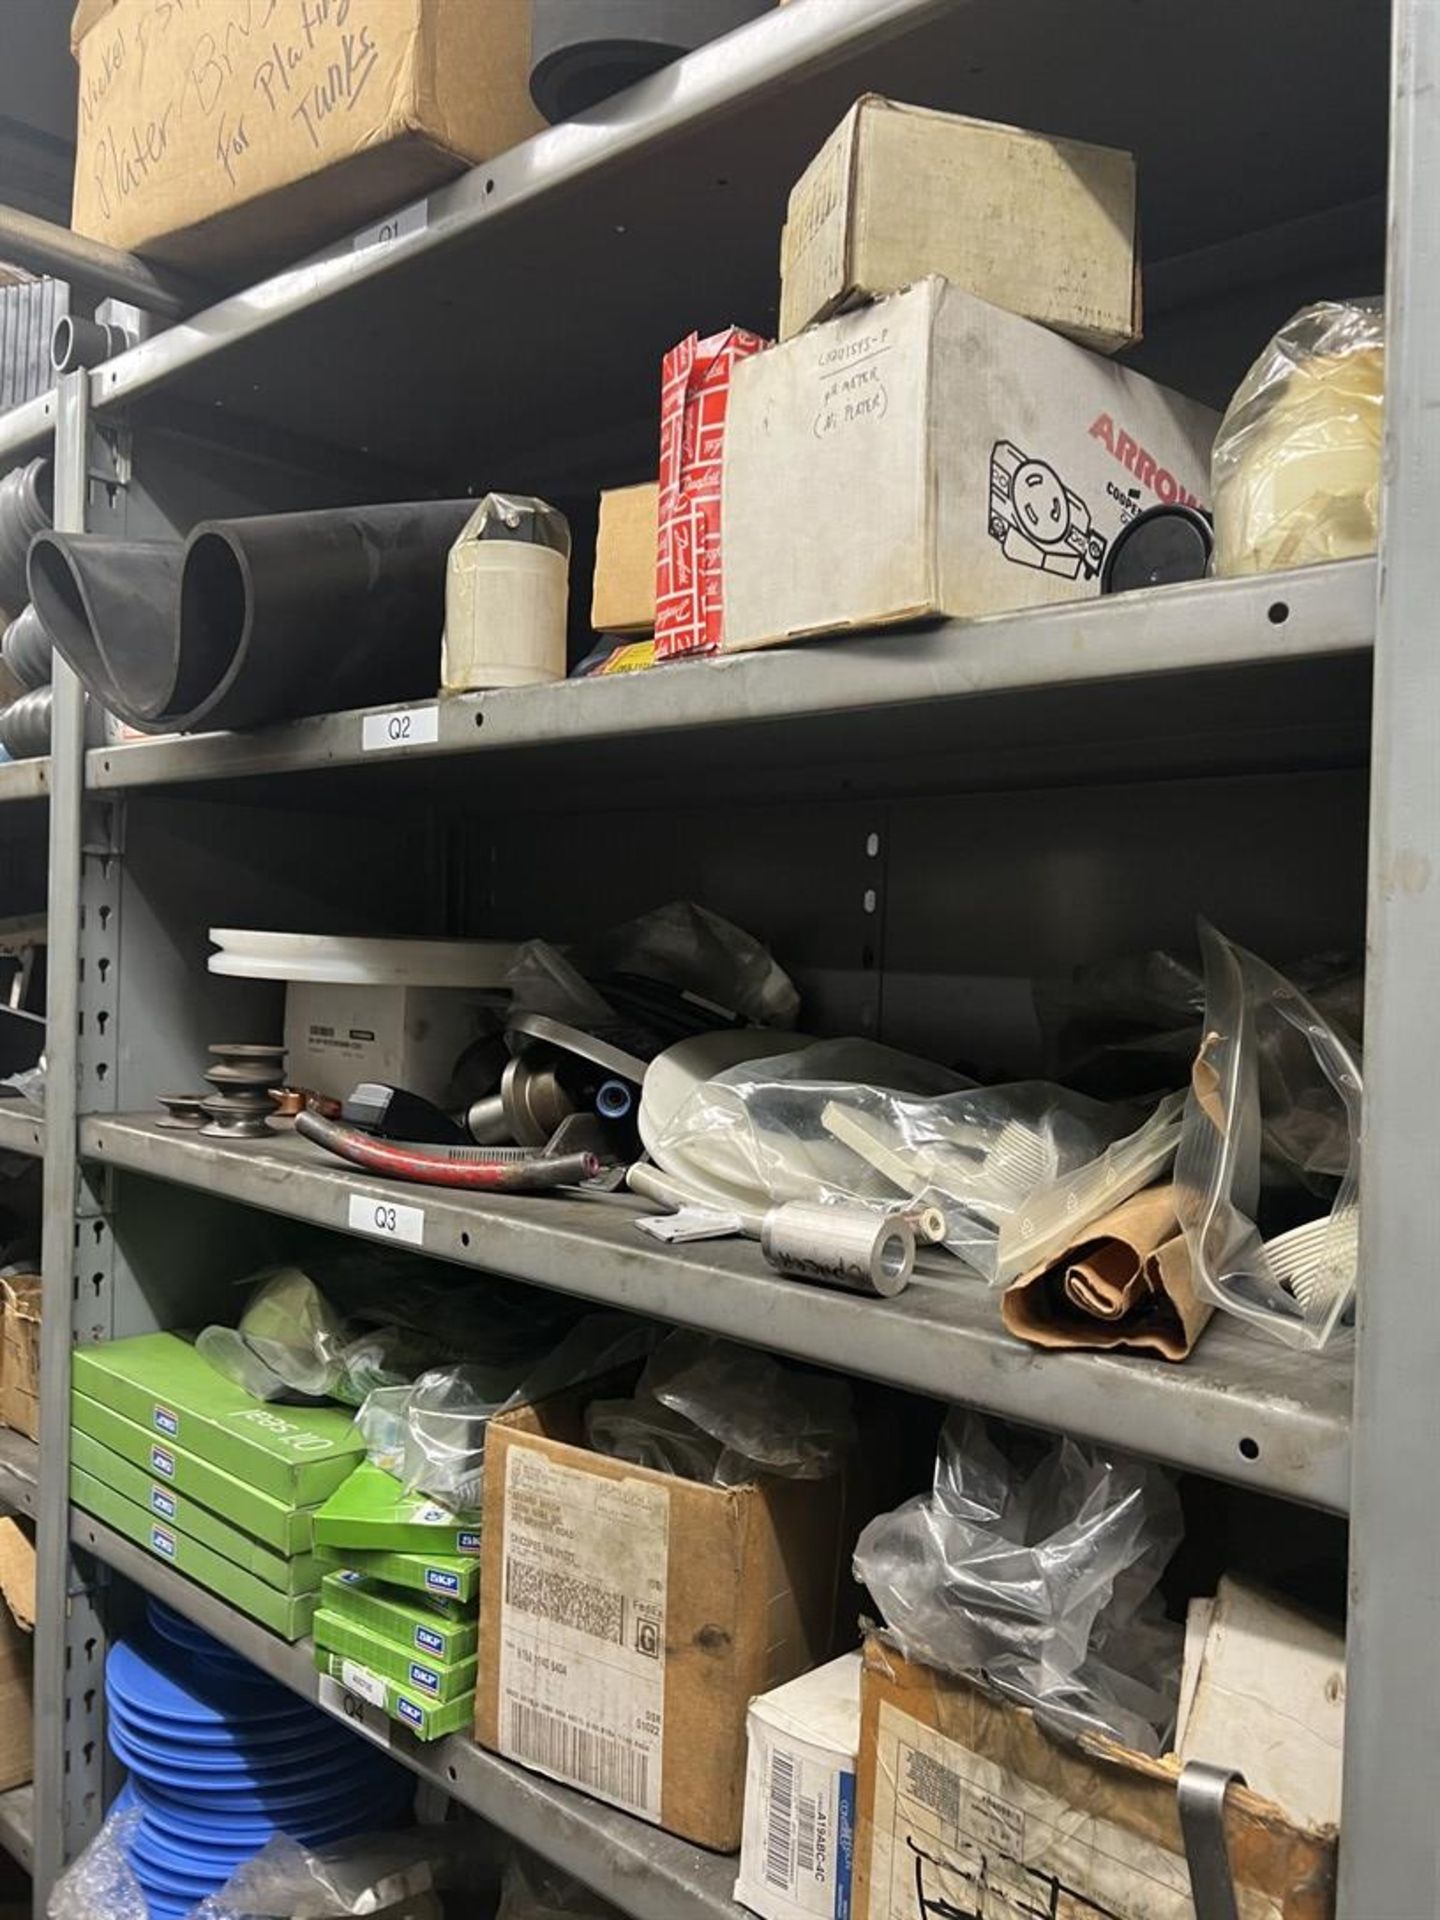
1268	1174
767	1416
1037	1576
649	1435
287	1343
1017	1170
1296	465
397	1875
100	1883
533	1890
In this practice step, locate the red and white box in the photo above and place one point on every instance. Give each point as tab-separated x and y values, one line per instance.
694	395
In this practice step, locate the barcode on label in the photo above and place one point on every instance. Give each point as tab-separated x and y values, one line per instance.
596	1761
781	1819
805	1837
598	1611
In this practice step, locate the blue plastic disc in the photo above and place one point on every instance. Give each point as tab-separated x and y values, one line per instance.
219	1738
362	1783
242	1761
153	1691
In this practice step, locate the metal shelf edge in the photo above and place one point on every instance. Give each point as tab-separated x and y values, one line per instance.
19	1472
1242	1408
17	1824
21	1131
25	428
1211	625
649	1874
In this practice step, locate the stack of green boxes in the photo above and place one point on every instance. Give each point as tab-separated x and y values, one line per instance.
397	1620
223	1486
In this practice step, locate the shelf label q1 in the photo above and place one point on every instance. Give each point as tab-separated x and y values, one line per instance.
387	1220
360	1714
398	226
405	727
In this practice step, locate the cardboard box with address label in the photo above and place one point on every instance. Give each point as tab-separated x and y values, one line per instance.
627	1617
930	455
968	1805
225	137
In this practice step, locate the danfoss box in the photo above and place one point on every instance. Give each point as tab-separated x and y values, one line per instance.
934	455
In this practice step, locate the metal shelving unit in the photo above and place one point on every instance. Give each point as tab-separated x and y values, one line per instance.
1201	742
17	1825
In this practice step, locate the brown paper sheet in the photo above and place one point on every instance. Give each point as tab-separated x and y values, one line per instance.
1125	1282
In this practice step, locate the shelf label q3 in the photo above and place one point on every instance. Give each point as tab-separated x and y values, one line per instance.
405	727
386	1219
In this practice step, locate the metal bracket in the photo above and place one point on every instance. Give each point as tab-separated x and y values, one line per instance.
1201	1796
110	460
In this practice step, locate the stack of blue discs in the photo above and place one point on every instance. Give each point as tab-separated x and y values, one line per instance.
221	1758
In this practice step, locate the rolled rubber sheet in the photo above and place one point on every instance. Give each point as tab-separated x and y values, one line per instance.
255	620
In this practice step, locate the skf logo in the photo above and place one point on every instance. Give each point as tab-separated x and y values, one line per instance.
409	1711
1133	457
442	1582
429	1642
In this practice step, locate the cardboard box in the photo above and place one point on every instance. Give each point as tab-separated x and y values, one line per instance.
798	1848
627	1617
299	1573
226	136
295	1454
432	1679
694	397
965	1799
426	1719
1044	228
20	1354
623	600
371	1512
17	1617
426	1623
336	1036
286	1529
288	1614
934	455
447	1577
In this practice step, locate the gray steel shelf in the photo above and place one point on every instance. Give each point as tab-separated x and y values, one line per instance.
24	429
1242	671
17	1824
592	205
19	1472
648	1874
21	1130
24	779
1242	1409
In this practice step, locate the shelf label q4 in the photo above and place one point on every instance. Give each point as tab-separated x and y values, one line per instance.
405	727
386	1219
363	1715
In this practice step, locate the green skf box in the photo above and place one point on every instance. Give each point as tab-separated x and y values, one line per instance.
425	1719
427	1624
287	1614
287	1574
451	1577
298	1454
421	1674
371	1512
287	1529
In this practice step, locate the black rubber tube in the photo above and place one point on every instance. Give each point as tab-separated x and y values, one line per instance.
254	620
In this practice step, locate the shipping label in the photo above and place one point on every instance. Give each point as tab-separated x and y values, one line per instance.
958	1834
582	1635
807	1807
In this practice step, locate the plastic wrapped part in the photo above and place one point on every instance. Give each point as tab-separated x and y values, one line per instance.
648	1434
506	588
534	1890
1038	1575
1296	465
287	1342
766	1415
395	1875
100	1884
1015	1169
1276	1091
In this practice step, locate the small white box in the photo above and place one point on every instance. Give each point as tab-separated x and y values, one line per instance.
798	1847
932	454
411	1037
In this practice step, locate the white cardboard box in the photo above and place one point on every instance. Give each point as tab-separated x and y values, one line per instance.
932	454
1042	227
797	1853
411	1037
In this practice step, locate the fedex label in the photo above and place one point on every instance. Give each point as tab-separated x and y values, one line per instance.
442	1582
163	1541
162	1461
429	1641
425	1677
166	1422
162	1502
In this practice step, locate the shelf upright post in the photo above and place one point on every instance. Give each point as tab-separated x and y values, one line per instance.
69	1648
1390	1860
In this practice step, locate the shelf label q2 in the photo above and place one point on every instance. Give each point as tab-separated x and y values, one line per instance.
405	727
387	1220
